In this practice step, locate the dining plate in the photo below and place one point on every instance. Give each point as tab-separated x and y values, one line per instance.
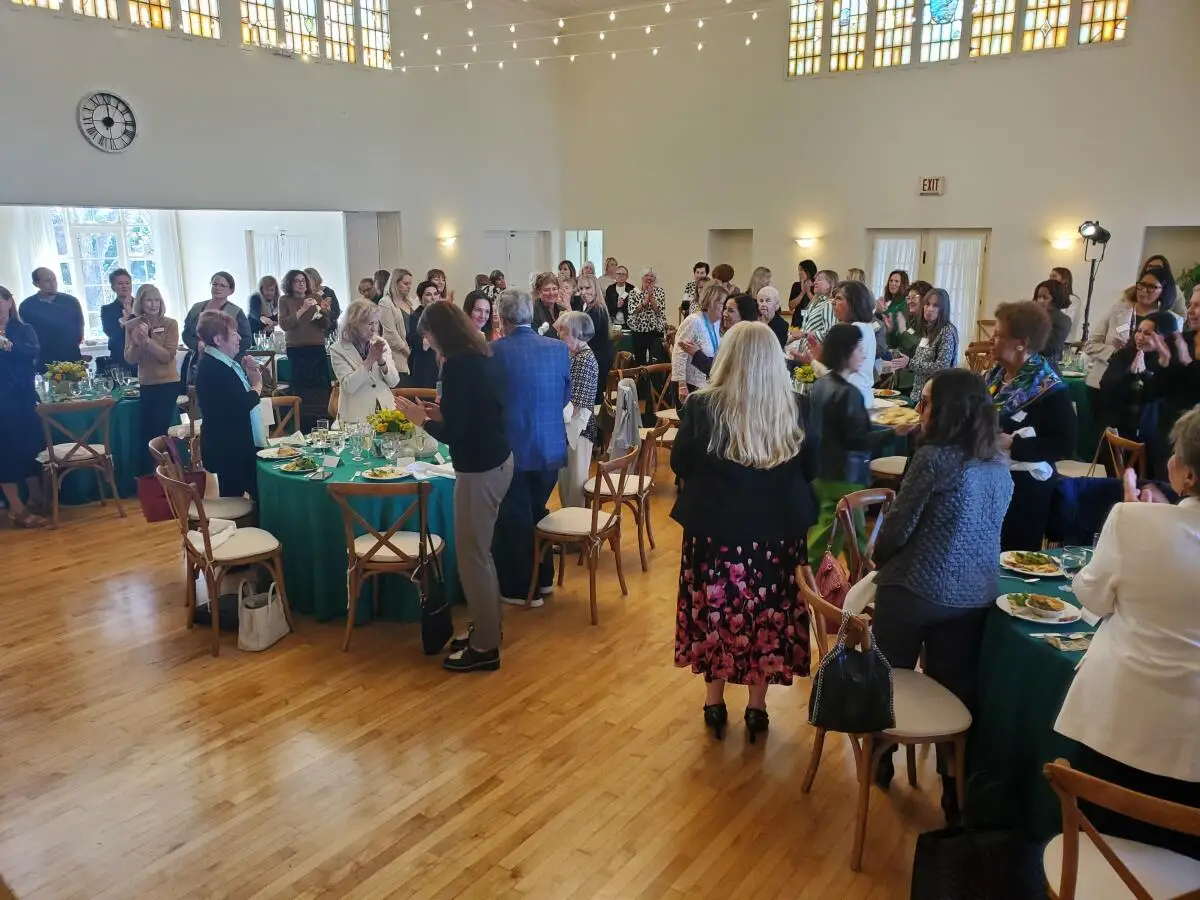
384	473
300	466
1027	562
278	453
1014	605
886	393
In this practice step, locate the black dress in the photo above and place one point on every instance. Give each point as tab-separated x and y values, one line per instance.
20	427
1056	427
114	330
422	362
227	440
601	342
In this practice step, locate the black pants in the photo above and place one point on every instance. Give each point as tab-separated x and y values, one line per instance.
524	505
156	407
1117	825
310	382
1024	526
648	347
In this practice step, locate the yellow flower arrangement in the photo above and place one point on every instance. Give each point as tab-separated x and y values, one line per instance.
386	420
66	371
804	375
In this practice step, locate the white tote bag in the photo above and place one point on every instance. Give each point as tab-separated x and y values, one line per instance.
261	621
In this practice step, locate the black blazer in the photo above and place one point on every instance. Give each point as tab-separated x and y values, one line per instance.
730	502
422	363
1056	428
110	321
610	300
839	430
472	426
227	441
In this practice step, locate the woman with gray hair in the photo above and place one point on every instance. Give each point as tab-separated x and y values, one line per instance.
575	329
590	301
647	320
363	365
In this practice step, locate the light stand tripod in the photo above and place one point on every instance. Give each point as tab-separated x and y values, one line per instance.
1095	261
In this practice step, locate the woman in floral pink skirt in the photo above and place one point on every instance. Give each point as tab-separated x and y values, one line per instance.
746	504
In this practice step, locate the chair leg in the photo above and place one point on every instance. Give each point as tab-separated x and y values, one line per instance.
54	495
375	594
533	578
562	562
646	519
351	605
960	769
189	599
615	540
814	761
277	573
100	486
865	756
635	508
112	482
212	581
911	752
593	564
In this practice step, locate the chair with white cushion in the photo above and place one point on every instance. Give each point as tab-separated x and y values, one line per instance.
587	527
1122	454
189	428
1111	868
212	550
413	554
926	713
164	452
888	468
89	449
638	488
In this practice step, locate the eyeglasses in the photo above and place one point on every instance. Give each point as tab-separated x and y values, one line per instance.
1148	288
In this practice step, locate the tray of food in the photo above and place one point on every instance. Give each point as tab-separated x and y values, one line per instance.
1027	562
895	416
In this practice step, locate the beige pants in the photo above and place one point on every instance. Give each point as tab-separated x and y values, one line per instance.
572	477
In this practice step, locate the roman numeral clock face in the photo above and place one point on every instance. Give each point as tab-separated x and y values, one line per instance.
106	122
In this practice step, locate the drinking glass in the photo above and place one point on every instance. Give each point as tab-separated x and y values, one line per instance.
354	432
1074	559
321	431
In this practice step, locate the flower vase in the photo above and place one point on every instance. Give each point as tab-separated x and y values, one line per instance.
62	389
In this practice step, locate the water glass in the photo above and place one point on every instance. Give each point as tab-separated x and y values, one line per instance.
1074	559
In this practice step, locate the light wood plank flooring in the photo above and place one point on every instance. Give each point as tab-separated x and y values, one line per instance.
134	765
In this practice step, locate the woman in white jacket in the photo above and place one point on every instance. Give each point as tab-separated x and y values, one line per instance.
363	365
698	332
1135	701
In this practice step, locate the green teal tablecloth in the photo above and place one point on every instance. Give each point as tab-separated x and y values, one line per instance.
1022	683
283	370
130	458
307	521
1089	429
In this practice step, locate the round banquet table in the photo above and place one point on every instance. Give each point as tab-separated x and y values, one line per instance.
308	523
283	370
1022	683
130	458
1089	429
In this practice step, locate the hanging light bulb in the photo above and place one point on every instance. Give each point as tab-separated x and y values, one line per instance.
556	40
417	10
466	66
537	62
471	32
667	8
572	57
474	48
612	15
700	46
512	28
755	15
403	69
614	56
747	42
470	4
437	68
439	51
502	64
699	23
655	51
514	45
602	35
647	29
402	54
562	24
425	36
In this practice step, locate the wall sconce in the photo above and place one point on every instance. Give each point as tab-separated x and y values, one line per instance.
448	241
806	243
1062	243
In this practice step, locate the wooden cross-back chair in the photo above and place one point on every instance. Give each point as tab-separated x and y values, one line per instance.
638	488
90	448
660	388
984	329
1122	453
287	422
415	394
268	362
925	713
1107	866
979	356
852	510
190	433
164	450
587	527
244	547
394	551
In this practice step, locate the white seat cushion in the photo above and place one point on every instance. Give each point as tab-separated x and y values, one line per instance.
634	484
225	508
891	466
1073	468
69	452
574	520
242	543
183	432
924	708
408	542
1161	872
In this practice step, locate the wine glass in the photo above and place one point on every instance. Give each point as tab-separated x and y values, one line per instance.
354	432
1074	559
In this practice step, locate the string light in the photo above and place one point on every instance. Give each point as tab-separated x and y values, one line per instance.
466	66
614	56
667	8
512	29
537	62
747	42
470	4
425	36
402	54
700	46
439	51
755	15
474	48
562	24
556	40
403	69
514	45
612	15
572	57
502	64
602	35
647	29
470	32
417	10
437	68
655	51
699	23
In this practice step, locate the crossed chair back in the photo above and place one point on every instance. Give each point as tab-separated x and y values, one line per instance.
268	363
415	394
386	554
660	388
79	452
979	356
1122	453
1071	787
165	453
611	477
289	421
853	509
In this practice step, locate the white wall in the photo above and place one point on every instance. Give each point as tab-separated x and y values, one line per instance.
215	240
226	128
1030	146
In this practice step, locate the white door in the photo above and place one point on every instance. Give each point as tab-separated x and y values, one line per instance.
957	258
891	250
527	257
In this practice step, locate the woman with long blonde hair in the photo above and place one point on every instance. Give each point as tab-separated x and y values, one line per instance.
746	504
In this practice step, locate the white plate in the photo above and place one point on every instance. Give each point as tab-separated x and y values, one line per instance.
1066	617
278	453
880	403
1004	564
399	474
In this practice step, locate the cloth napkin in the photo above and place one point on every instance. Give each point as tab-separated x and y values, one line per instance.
219	531
292	440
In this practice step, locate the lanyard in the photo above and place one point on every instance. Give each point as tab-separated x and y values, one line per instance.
712	332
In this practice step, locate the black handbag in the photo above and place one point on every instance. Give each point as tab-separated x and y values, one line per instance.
853	689
437	625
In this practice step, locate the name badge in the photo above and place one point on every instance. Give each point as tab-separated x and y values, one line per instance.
184	418
1019	417
441	460
159	330
331	461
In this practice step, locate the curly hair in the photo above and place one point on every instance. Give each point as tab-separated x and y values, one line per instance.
1026	321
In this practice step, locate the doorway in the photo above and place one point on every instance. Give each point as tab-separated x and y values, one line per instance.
520	255
951	259
585	245
734	246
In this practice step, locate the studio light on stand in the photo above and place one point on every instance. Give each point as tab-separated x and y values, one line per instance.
1094	235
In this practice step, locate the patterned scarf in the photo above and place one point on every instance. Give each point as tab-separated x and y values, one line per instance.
1035	379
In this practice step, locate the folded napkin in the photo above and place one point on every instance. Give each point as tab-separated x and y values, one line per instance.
219	531
292	440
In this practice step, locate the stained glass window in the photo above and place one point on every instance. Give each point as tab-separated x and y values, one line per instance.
941	31
893	32
1047	24
259	25
201	18
1102	21
300	26
376	33
43	4
151	13
339	30
992	24
848	35
96	9
804	43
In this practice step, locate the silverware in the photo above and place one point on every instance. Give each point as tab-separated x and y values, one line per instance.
1031	580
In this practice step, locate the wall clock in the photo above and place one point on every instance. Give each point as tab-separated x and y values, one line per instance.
106	122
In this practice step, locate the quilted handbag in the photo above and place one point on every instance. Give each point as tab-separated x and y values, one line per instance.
852	691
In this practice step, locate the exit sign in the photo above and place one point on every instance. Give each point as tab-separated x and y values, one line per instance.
933	187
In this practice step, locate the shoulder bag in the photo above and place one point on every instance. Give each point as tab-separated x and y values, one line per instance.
852	691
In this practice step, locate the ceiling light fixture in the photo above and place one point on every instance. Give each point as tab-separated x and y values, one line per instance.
471	32
514	45
655	52
647	29
501	64
602	35
699	23
700	46
667	8
747	42
572	57
556	40
474	48
754	16
614	55
425	36
512	29
561	23
437	68
439	51
417	10
612	15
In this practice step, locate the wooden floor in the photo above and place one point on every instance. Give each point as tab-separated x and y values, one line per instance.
134	765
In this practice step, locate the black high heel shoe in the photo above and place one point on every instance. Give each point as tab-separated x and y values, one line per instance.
715	717
756	720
